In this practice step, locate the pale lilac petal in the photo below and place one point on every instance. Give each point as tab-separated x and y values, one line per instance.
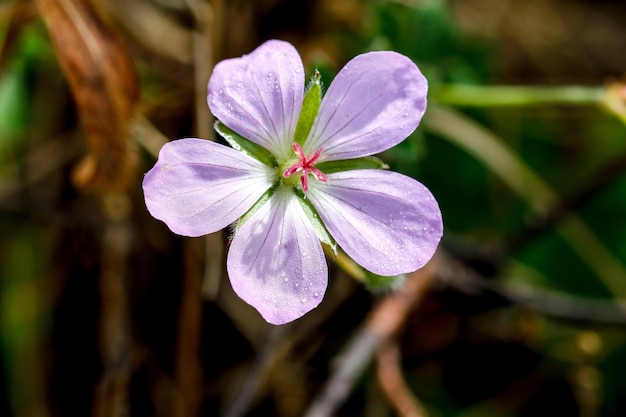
276	262
374	103
388	223
259	95
199	187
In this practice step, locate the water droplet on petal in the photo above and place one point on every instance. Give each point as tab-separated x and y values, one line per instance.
303	299
316	294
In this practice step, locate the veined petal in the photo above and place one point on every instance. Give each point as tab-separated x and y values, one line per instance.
276	262
388	223
374	103
198	187
259	95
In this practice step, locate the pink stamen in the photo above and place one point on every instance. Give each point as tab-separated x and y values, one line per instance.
304	166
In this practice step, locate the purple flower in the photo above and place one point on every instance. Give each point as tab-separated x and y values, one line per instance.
300	172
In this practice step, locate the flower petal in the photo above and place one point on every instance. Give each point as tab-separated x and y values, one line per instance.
374	103
199	187
260	95
276	262
388	223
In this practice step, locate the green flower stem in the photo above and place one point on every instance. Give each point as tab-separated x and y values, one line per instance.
508	96
346	264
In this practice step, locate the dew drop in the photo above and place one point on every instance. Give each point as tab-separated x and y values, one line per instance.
316	294
303	299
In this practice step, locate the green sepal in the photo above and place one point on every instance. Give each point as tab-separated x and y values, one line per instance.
367	162
310	107
244	145
260	202
379	283
320	230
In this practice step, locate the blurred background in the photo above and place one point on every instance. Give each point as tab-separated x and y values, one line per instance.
104	312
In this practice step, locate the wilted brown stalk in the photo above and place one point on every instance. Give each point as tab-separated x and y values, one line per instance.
105	88
104	85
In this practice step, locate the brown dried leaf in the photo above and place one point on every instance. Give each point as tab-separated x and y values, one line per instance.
15	15
104	84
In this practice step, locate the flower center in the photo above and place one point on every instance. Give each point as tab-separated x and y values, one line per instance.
304	167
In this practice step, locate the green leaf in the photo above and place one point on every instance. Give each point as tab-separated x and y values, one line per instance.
380	283
320	230
244	145
310	107
368	162
264	199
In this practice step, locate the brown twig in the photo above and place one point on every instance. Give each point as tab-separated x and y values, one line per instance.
13	16
111	399
393	384
385	320
559	305
256	374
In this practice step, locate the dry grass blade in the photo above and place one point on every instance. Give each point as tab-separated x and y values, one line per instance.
105	87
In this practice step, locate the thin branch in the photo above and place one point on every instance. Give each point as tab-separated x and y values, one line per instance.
111	396
498	158
549	303
393	384
603	177
256	374
385	320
